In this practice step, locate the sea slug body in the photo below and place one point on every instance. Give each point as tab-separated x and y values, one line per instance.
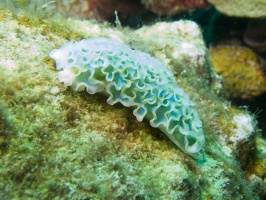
135	79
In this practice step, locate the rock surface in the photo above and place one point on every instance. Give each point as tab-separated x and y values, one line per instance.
60	144
241	8
242	70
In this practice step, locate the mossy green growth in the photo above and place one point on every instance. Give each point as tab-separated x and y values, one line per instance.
61	144
21	3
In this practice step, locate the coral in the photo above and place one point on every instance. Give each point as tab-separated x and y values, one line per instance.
239	66
86	8
242	137
194	4
244	128
100	10
171	7
132	78
241	8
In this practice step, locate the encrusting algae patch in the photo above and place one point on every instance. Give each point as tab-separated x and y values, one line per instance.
241	69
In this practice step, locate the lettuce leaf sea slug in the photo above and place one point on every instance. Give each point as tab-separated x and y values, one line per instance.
136	80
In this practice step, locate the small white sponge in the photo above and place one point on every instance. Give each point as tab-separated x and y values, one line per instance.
136	79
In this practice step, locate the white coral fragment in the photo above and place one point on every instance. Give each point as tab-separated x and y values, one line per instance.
244	128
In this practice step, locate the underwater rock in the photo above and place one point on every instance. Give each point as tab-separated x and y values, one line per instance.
93	9
104	9
241	8
171	7
180	45
101	10
241	69
242	137
60	144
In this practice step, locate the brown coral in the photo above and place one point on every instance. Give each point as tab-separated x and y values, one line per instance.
170	7
241	70
97	9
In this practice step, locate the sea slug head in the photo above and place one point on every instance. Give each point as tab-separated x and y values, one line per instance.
61	58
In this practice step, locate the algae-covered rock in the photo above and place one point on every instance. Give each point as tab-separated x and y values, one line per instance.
56	143
241	69
241	8
180	45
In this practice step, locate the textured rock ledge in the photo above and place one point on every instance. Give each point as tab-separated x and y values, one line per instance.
241	8
56	143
